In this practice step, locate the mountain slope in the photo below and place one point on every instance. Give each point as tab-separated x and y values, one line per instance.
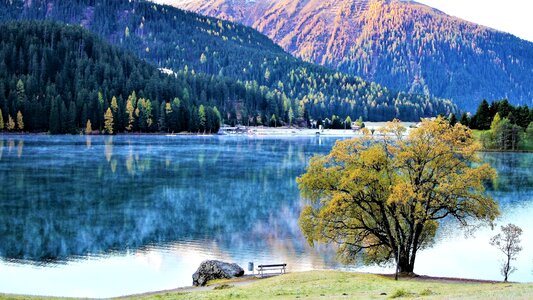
401	44
284	87
57	77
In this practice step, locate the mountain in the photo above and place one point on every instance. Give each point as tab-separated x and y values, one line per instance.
401	44
286	88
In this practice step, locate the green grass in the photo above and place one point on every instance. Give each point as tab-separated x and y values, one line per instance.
340	285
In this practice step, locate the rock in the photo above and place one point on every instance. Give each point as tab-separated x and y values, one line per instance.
214	269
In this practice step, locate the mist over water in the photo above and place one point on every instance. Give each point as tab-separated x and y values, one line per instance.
106	216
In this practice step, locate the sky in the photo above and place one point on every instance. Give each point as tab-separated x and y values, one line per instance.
513	16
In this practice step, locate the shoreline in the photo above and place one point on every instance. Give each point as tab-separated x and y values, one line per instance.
247	280
295	280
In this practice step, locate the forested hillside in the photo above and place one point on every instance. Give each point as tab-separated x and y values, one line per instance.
293	91
403	45
61	78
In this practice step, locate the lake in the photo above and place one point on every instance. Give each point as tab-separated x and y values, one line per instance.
103	216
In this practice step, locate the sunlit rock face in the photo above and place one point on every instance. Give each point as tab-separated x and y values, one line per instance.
403	45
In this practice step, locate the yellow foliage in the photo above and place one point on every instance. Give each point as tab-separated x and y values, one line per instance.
10	123
20	121
108	121
373	194
88	127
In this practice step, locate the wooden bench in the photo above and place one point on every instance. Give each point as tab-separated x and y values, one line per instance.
262	268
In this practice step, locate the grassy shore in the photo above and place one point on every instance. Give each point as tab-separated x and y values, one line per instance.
341	285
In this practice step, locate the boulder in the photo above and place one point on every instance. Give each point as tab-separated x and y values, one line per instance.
214	269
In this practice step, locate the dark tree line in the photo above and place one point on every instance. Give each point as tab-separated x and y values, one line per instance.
60	77
485	113
277	85
505	126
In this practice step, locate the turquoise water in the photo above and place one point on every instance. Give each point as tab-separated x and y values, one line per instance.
107	216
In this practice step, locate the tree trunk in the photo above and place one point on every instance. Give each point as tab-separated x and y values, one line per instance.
404	265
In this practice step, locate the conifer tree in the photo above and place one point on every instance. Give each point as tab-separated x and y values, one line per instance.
203	118
464	120
348	123
20	121
130	113
88	127
162	121
53	120
1	121
10	123
452	119
114	104
21	93
483	116
108	121
291	116
71	119
63	117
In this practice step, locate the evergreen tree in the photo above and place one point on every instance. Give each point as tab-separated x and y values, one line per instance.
53	120
63	118
71	119
162	121
273	121
348	123
452	119
108	121
336	122
522	118
483	116
291	116
202	118
465	120
21	94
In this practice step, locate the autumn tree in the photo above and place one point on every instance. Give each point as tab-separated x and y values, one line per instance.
383	200
10	123
1	121
130	111
20	121
88	127
508	241
108	121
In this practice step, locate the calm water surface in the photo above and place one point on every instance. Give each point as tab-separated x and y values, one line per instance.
108	216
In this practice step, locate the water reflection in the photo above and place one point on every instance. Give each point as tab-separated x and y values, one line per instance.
65	201
155	206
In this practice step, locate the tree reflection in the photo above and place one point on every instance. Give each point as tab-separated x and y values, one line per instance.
150	191
69	197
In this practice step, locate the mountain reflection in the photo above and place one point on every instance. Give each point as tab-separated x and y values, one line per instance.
69	197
